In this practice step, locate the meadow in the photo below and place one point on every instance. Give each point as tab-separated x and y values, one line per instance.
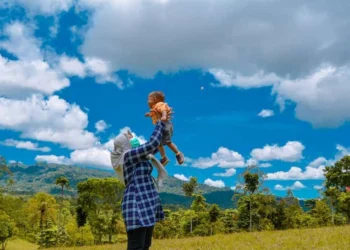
328	238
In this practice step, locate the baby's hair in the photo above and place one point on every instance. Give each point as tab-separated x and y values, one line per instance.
158	95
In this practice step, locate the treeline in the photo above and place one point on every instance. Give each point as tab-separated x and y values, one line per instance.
94	217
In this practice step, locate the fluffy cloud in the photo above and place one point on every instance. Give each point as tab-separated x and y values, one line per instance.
318	187
24	145
265	165
101	126
92	157
52	159
52	120
94	67
296	185
321	97
181	177
218	184
318	162
229	78
290	152
266	113
41	6
296	173
238	35
30	74
224	158
228	173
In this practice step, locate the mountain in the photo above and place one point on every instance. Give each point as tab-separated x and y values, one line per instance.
41	177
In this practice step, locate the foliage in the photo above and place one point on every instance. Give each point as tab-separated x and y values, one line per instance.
7	229
100	200
338	175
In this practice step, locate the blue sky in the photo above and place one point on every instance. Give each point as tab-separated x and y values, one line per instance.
248	85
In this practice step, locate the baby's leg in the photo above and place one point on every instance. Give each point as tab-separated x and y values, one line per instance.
179	156
173	147
162	151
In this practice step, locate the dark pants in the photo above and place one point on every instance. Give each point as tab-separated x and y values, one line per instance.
140	238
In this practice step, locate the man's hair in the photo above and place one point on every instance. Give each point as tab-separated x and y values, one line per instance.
158	95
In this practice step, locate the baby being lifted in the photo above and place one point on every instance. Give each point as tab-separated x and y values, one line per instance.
156	102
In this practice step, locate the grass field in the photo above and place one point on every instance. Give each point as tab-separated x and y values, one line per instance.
331	238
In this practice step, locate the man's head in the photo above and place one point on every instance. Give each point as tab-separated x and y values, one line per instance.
155	97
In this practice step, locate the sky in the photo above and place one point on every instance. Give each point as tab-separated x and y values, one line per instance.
251	82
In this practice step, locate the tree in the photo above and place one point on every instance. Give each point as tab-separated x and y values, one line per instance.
332	193
188	188
338	176
7	229
63	182
3	167
344	204
291	211
214	213
199	204
99	202
42	208
251	185
322	213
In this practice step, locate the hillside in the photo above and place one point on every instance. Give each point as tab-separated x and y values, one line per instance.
42	176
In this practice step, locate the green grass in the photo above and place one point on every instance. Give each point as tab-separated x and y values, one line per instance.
20	244
331	238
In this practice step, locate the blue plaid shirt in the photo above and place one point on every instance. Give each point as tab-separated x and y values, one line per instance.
141	205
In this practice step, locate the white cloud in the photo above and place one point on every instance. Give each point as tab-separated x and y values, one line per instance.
44	7
290	152
23	78
321	98
52	159
21	42
72	66
318	162
93	67
30	74
238	35
24	145
52	120
229	78
265	165
296	173
91	157
101	126
228	173
218	184
181	177
296	185
266	113
223	157
318	187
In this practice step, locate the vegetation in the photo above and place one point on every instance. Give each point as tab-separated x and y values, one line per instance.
94	216
327	238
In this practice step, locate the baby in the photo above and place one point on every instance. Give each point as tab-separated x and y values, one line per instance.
156	102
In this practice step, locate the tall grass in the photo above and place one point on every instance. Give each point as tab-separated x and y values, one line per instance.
330	238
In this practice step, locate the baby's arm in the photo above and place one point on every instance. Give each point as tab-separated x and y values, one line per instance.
164	115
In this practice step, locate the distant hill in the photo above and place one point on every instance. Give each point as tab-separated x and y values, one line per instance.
42	177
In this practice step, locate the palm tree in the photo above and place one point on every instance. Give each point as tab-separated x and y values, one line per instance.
188	188
63	182
41	208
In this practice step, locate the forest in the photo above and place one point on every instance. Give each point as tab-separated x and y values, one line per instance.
93	216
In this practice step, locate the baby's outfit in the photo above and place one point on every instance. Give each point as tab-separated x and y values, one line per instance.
168	130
